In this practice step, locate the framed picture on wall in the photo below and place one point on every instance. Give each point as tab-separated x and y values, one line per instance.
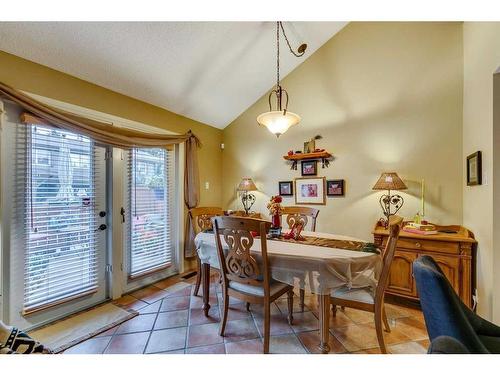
474	169
309	168
286	188
335	188
310	190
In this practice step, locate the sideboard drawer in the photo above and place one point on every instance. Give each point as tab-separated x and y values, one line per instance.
428	245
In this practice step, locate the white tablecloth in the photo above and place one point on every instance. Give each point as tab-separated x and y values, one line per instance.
325	268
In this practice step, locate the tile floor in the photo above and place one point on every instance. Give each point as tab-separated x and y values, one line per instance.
171	322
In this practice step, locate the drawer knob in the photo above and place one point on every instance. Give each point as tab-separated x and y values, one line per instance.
417	244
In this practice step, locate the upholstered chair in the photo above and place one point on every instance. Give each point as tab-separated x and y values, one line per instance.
446	315
446	345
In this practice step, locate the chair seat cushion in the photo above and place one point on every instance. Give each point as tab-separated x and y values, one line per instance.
357	294
275	287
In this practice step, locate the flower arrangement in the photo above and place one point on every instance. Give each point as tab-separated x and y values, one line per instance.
274	205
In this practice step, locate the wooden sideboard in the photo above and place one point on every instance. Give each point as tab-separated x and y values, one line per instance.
454	252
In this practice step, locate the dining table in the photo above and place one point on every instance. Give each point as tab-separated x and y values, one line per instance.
327	261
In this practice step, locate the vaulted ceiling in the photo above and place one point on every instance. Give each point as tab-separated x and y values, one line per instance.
207	71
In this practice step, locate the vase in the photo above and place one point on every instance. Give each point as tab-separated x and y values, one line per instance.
276	221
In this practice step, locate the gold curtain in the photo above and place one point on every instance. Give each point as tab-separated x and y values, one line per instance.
117	137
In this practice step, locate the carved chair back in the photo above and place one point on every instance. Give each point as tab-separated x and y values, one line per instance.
297	214
237	262
201	217
387	256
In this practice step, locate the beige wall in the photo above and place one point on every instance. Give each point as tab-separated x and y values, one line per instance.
481	60
26	75
385	97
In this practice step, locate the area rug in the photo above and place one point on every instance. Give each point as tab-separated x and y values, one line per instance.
76	328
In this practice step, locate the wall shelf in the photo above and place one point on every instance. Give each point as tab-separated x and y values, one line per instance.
323	156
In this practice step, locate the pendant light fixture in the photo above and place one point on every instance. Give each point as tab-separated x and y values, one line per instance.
279	120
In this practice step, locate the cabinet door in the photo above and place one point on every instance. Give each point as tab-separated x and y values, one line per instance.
401	276
450	267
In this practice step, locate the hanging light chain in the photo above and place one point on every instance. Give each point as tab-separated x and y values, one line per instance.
302	48
278	54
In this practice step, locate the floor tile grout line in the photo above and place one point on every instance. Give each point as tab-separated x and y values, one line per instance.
188	329
151	332
106	347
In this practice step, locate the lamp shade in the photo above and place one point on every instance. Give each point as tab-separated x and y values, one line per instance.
278	122
247	184
389	181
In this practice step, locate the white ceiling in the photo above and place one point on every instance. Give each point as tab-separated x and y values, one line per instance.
207	71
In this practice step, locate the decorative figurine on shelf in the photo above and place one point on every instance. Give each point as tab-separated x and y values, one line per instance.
275	210
310	145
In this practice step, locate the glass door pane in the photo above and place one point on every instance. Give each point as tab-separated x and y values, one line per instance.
59	191
150	239
61	256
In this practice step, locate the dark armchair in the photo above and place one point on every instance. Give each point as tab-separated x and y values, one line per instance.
446	315
447	345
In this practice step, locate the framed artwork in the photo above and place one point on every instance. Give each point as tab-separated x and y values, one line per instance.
286	188
310	190
309	168
335	188
474	169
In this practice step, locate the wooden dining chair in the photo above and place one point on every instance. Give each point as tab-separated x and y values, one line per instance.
364	298
201	219
298	214
243	277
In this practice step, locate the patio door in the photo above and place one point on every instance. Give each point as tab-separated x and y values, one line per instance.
59	225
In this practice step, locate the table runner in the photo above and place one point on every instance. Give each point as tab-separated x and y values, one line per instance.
325	242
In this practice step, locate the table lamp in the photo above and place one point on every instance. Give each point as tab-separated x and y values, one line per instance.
247	199
390	181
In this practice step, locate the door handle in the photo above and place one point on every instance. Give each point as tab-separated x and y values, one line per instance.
102	227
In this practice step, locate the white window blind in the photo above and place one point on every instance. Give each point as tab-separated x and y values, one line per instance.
58	176
150	210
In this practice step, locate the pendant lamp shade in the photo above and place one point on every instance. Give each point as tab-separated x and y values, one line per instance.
278	122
